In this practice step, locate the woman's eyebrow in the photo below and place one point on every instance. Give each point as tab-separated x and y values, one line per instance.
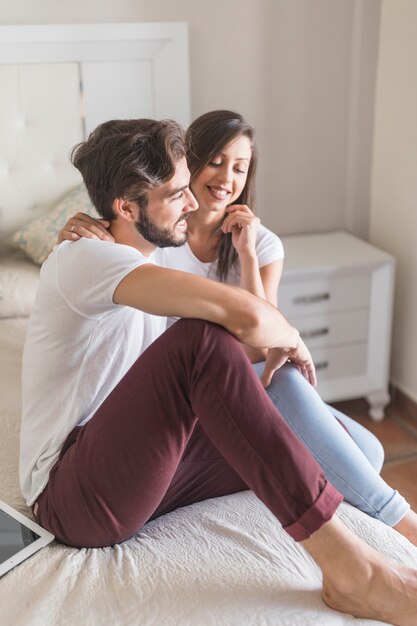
223	154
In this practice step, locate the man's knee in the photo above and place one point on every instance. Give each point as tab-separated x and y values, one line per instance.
205	336
201	329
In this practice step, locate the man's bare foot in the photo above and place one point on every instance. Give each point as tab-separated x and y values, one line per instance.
389	594
359	580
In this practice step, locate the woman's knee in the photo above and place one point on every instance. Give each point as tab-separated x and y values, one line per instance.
366	441
289	380
374	452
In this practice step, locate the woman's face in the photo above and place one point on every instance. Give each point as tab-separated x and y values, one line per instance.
223	179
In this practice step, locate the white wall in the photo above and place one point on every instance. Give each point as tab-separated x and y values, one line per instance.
301	71
393	220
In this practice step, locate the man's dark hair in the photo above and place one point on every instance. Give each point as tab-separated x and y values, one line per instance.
127	159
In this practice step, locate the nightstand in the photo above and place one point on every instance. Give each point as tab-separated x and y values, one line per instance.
338	291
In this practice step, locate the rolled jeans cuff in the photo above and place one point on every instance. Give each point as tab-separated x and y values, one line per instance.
394	510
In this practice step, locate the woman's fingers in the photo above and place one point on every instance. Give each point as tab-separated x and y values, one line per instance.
240	220
67	234
239	216
243	208
82	225
93	230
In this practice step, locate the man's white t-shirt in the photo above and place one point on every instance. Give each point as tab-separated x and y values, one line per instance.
79	345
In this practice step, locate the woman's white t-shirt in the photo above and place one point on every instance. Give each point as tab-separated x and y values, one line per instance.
269	248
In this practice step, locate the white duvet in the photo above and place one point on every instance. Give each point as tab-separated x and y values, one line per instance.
221	562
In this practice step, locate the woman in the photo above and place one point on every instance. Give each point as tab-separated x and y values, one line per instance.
227	242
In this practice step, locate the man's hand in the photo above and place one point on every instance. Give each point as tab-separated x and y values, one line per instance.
300	357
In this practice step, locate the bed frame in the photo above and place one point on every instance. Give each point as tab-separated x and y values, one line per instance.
58	82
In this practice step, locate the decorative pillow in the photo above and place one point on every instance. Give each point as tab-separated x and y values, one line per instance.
19	280
39	235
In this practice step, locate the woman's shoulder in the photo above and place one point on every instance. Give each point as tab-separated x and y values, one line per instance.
269	244
179	258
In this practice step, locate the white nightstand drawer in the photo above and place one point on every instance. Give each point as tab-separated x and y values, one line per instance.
333	328
330	274
335	362
324	294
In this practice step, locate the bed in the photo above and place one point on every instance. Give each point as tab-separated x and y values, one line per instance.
225	561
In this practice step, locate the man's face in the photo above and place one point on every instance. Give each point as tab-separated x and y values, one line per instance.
164	221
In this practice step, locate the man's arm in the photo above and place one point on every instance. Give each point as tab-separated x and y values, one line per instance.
250	319
161	291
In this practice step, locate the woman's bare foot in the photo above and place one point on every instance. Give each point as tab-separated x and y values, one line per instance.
359	580
408	527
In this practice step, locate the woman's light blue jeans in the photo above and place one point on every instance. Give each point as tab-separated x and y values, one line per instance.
350	462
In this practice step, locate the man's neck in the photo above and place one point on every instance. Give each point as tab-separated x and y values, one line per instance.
128	235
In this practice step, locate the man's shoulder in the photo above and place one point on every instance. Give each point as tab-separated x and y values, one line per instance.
86	273
91	260
97	247
88	252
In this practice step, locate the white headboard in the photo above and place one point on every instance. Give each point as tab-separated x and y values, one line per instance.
57	82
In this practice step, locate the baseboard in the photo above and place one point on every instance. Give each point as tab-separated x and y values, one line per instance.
403	400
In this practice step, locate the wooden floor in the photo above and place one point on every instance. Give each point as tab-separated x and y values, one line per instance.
398	434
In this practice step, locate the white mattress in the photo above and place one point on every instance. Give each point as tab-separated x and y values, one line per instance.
221	562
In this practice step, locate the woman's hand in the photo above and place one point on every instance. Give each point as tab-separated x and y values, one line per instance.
243	225
300	357
82	225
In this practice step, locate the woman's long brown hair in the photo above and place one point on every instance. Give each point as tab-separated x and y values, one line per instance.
205	138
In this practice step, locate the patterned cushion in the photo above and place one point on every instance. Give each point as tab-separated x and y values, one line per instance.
19	280
38	236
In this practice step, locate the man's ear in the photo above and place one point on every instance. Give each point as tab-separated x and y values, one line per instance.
125	209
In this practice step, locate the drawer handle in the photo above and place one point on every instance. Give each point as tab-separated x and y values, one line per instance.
321	365
317	297
315	332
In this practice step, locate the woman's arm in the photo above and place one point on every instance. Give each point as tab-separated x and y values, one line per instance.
269	277
262	282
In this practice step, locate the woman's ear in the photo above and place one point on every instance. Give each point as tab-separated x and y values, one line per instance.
125	209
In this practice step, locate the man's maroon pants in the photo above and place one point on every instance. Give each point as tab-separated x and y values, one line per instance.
189	421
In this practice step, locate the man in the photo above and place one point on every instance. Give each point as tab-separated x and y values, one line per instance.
123	422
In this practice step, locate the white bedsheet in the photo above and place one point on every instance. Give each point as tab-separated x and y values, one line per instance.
222	562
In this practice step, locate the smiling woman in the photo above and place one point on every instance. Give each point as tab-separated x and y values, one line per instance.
225	175
222	158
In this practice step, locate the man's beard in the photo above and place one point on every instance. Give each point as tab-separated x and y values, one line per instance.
160	237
